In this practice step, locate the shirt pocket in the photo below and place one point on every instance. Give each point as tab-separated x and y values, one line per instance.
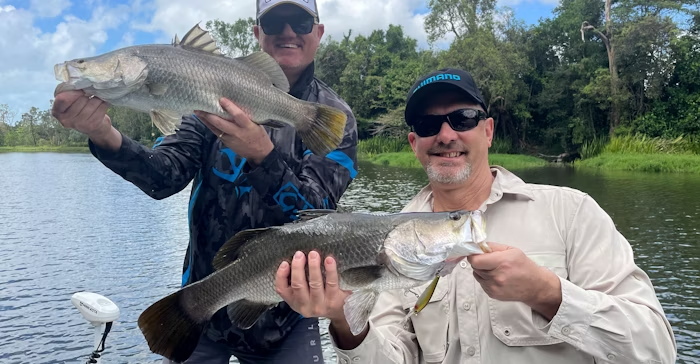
431	324
512	322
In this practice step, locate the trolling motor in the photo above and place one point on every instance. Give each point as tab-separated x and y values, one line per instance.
100	312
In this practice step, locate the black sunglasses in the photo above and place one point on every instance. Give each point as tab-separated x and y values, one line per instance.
300	23
459	120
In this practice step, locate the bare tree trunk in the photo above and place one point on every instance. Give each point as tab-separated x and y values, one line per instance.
612	65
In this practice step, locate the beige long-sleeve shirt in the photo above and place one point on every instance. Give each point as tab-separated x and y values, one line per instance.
609	311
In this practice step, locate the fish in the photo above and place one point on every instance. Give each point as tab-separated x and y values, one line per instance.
374	252
168	81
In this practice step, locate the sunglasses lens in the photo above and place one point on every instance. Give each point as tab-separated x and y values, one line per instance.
428	125
273	25
459	120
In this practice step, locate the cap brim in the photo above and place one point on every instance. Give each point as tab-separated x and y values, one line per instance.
291	3
418	98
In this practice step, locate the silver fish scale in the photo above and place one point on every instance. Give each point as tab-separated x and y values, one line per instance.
197	79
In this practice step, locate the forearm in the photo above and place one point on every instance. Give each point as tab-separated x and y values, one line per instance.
344	338
548	298
110	140
159	172
603	325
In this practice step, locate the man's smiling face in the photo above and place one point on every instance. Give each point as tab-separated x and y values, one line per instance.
450	156
294	52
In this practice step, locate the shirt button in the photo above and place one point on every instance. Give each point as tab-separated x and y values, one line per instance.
463	264
357	358
611	356
507	332
471	351
565	330
467	306
344	361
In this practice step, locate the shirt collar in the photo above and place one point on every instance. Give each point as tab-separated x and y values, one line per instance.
505	183
301	87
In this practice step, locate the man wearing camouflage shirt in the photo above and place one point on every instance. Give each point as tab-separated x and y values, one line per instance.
244	176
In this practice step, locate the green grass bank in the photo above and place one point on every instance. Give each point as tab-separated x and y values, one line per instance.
640	153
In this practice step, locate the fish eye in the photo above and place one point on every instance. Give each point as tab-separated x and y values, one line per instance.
455	216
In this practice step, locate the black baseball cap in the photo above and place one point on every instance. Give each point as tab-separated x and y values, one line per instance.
440	80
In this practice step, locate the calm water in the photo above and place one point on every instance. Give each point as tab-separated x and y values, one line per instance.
68	224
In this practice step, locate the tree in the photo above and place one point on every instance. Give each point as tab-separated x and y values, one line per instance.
236	39
607	38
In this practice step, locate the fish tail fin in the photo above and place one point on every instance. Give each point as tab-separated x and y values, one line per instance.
170	329
323	129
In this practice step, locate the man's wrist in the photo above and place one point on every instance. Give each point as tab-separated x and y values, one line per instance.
548	297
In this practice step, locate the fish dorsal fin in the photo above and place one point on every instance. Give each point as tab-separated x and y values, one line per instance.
228	253
266	64
306	215
199	39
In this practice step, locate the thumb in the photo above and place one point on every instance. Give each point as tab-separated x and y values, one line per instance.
497	247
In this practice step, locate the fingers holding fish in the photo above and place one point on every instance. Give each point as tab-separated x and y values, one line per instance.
507	274
74	110
312	298
250	141
316	286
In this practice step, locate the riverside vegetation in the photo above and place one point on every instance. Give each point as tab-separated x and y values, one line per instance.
614	82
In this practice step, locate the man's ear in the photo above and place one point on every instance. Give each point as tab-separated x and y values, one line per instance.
412	141
256	32
489	130
320	28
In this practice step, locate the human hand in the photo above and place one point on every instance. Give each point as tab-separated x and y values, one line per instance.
75	110
507	274
312	299
239	133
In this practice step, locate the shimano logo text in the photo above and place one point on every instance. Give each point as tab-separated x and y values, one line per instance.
440	77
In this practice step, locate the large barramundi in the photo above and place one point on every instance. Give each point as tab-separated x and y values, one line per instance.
374	253
171	80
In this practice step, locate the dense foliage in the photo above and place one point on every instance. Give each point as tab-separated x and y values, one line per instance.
594	69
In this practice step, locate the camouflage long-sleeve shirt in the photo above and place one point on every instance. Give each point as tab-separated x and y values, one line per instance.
228	196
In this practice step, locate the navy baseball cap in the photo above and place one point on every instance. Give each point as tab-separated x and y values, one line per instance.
440	80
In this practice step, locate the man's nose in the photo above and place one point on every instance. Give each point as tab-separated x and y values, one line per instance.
446	134
287	31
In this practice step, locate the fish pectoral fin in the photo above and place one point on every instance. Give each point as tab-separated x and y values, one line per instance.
199	39
245	313
358	307
228	253
362	276
157	89
274	123
166	121
269	66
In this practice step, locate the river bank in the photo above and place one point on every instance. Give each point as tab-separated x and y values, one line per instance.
408	160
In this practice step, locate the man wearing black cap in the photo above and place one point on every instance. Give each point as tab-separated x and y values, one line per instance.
565	288
243	176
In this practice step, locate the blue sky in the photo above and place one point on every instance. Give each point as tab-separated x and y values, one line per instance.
46	32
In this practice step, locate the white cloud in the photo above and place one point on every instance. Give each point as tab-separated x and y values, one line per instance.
339	16
48	8
28	56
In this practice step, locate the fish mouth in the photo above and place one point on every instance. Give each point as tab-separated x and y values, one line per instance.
65	72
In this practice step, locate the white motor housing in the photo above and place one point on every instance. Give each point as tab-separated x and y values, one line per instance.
95	308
